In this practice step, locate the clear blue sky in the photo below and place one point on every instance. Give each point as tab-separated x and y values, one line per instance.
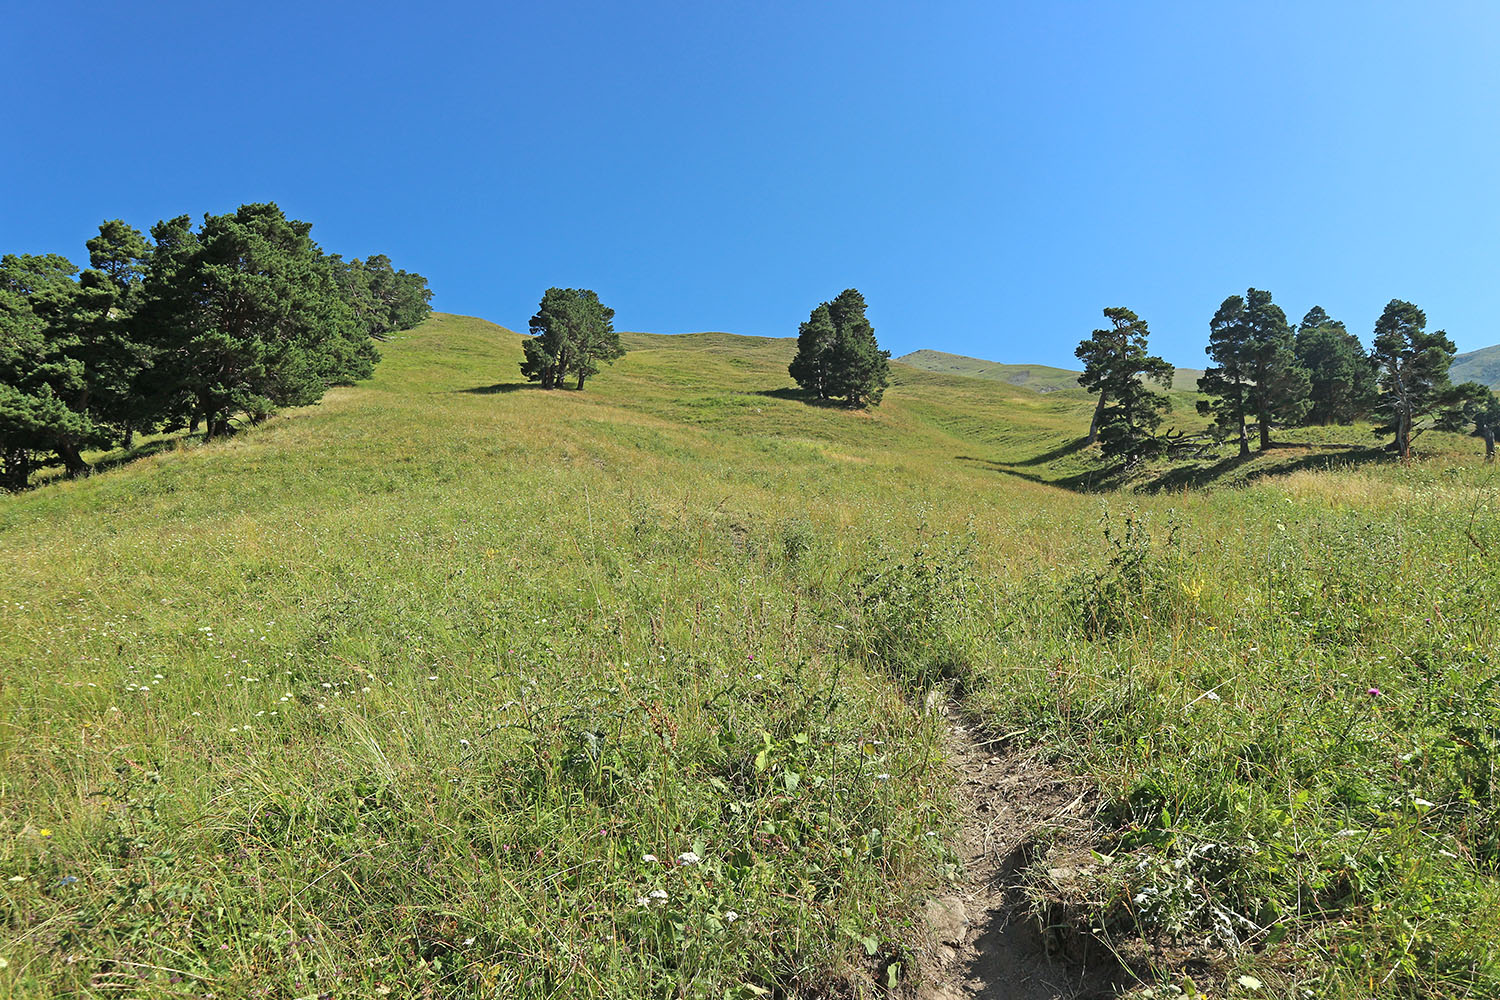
989	175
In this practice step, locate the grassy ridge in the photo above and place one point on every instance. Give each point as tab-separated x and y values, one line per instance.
1039	377
429	689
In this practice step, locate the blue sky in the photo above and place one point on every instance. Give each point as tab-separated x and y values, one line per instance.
989	175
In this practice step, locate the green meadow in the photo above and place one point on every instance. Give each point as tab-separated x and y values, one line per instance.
453	687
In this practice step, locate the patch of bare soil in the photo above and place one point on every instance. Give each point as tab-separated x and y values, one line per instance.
982	941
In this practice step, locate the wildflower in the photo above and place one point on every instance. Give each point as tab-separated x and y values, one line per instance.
67	880
1211	695
883	776
1374	692
657	894
688	858
45	832
642	901
730	916
648	858
18	878
463	742
468	942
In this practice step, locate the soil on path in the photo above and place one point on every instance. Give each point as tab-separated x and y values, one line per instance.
982	942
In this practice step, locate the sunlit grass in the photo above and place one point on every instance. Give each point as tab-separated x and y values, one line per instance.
400	691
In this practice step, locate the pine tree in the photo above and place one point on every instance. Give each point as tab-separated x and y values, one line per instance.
1342	382
572	333
1116	365
1411	369
1256	371
246	316
1227	382
837	354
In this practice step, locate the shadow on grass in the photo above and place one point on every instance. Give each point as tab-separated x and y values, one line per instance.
1324	456
52	472
490	390
1061	451
802	396
1190	475
1098	480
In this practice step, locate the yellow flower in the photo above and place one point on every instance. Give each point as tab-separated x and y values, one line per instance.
46	832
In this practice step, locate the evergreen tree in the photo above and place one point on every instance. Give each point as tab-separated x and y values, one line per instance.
1256	372
1279	395
1472	404
572	333
1227	381
247	315
810	367
1342	381
1411	368
837	354
1116	365
38	375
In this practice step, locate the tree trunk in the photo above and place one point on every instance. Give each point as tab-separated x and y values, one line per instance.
1244	439
1489	444
1265	433
67	451
129	440
17	469
580	381
1098	414
1403	436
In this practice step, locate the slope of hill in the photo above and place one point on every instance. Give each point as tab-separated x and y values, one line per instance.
1038	377
1482	366
451	686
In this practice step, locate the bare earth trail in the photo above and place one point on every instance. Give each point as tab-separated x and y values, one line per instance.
983	944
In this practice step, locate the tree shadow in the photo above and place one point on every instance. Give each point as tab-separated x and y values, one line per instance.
50	472
802	396
490	390
1061	451
1324	456
1190	474
1100	480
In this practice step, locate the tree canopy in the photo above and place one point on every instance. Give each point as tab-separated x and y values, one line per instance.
242	316
1255	371
837	354
572	334
1117	366
1411	368
1342	382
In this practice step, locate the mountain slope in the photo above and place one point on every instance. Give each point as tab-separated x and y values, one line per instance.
1038	377
1482	366
451	686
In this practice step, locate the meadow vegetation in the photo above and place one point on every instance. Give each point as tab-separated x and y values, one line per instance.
450	686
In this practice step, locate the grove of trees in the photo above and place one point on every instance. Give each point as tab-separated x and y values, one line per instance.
190	327
572	334
837	354
1264	374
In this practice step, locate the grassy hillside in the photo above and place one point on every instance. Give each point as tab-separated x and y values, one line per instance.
1038	377
1482	366
450	686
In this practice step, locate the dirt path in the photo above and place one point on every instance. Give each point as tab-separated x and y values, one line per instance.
982	943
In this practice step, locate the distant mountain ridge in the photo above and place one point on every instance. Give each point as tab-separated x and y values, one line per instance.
1040	378
1481	366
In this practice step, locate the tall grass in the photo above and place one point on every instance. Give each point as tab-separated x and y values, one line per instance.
453	687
